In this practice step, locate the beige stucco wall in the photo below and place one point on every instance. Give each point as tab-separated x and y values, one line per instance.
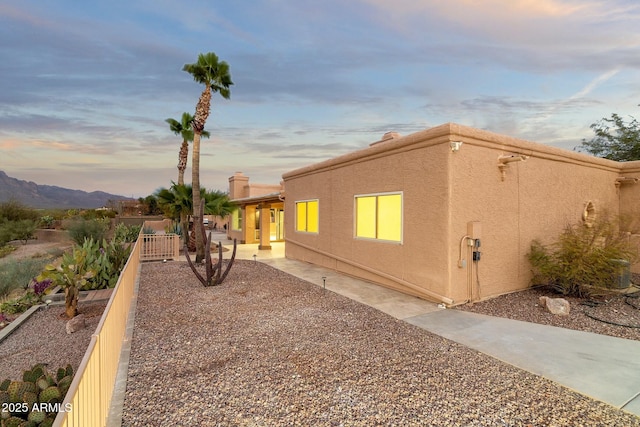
536	200
443	191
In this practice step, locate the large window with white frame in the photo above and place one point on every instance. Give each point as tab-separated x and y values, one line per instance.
379	216
307	215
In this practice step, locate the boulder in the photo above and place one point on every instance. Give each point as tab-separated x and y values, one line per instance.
559	306
75	324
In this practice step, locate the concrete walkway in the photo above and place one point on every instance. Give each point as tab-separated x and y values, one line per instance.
598	366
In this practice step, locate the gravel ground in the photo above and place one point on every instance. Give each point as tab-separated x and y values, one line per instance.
43	338
267	349
525	306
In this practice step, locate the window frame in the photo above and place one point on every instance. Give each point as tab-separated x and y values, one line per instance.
240	217
306	202
376	196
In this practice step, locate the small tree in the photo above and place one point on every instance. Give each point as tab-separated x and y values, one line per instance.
615	139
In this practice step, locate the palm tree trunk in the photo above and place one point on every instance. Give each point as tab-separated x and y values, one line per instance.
198	226
182	161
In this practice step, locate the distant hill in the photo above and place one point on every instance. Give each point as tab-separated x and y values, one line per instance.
49	196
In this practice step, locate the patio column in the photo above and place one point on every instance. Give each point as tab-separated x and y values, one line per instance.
265	226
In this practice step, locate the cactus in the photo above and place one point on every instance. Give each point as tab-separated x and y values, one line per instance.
64	384
30	398
13	422
69	370
213	273
5	385
37	416
62	372
16	390
50	395
48	422
43	383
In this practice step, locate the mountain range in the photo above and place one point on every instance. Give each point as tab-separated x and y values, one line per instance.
49	196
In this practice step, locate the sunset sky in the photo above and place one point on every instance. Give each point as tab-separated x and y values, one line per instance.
85	87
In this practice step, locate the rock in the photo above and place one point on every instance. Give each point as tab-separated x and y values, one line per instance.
75	324
559	306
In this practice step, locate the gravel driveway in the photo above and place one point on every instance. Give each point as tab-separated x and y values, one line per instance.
268	349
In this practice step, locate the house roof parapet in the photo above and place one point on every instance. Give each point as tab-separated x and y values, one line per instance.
448	132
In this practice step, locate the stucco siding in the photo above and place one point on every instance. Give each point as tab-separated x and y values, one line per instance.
508	201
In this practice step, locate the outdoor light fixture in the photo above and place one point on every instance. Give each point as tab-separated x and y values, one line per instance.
455	145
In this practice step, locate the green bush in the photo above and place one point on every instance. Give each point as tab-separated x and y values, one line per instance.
17	274
584	261
81	230
21	229
24	229
6	232
13	210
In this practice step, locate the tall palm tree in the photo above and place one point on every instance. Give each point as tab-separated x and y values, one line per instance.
183	128
214	75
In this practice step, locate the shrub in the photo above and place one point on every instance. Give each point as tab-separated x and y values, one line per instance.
14	210
17	274
24	229
126	234
81	230
584	261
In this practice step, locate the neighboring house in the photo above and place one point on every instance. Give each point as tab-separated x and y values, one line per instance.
448	213
260	214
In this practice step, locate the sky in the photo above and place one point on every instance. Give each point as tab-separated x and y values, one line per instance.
85	87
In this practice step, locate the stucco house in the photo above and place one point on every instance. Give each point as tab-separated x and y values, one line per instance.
447	214
260	214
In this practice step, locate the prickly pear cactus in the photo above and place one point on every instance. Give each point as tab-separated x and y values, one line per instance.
37	416
16	390
13	422
50	395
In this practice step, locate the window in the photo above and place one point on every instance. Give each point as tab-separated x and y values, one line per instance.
379	217
307	216
236	219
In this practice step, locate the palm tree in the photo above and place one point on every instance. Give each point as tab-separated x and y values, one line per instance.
218	203
177	203
183	128
214	75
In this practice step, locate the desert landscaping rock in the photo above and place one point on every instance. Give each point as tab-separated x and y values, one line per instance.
559	306
43	339
265	348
